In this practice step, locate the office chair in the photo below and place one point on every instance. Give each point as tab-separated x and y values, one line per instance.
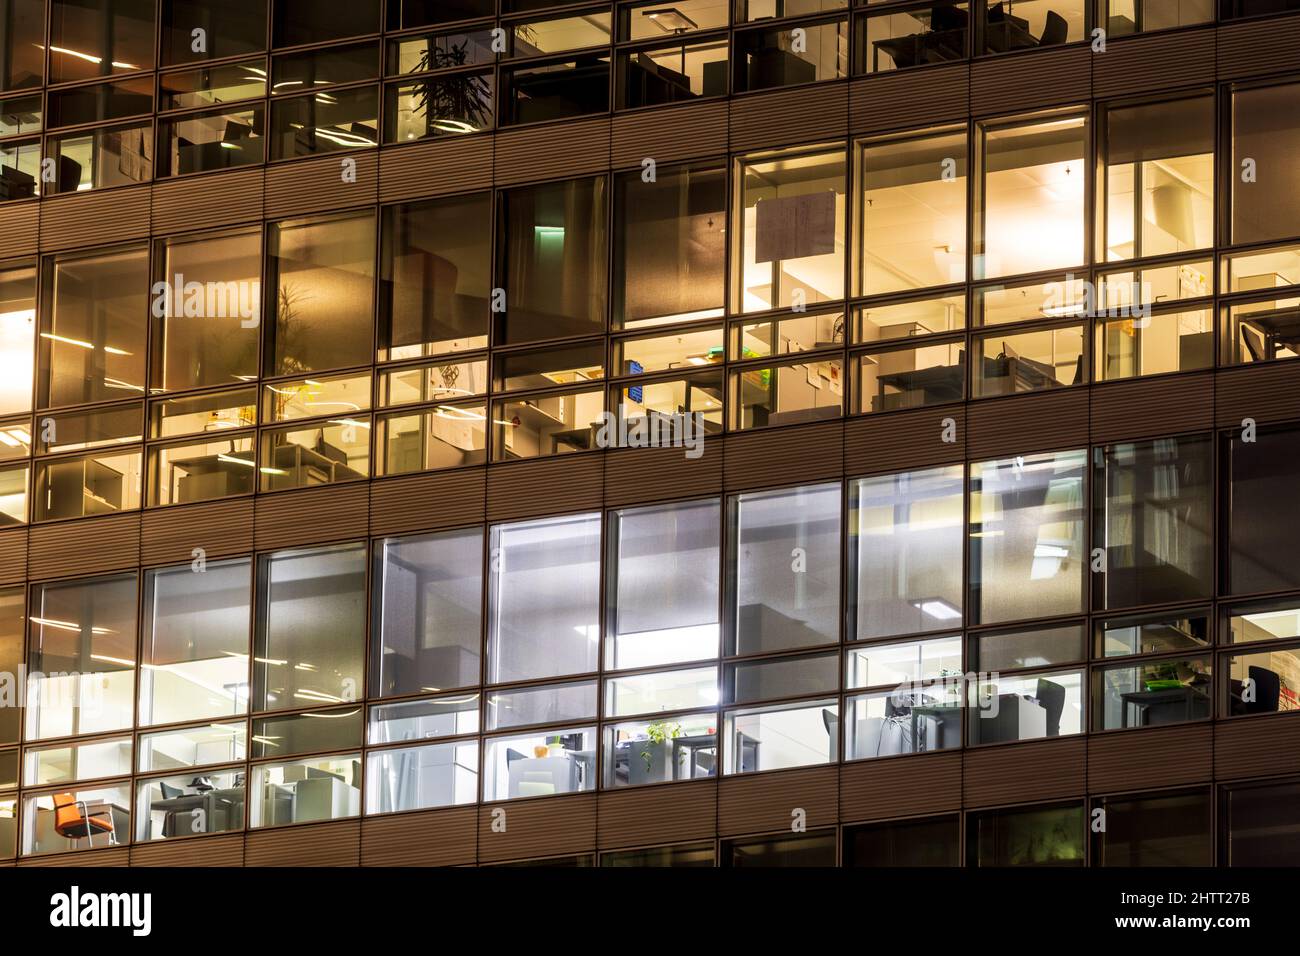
1268	690
946	17
1254	343
831	720
1055	30
1052	696
72	820
169	792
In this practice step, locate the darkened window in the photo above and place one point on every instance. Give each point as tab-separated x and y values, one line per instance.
307	733
932	841
435	276
1266	184
100	102
1026	836
229	29
1138	16
403	14
22	44
1036	23
219	139
297	72
690	854
90	38
1153	519
317	21
573	87
1261	825
93	326
552	252
100	157
670	246
320	274
1263	511
809	849
1160	830
931	33
427	607
769	58
324	123
442	105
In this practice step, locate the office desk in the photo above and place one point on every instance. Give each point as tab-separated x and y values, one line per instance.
1278	326
1016	718
1177	703
936	384
219	807
694	746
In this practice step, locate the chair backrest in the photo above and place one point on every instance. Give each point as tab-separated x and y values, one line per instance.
66	813
1254	343
1052	696
1055	30
1268	690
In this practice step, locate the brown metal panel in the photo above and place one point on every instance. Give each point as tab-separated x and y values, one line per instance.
430	838
1020	424
13	555
1258	47
224	850
786	455
319	844
552	151
546	486
220	528
806	114
895	100
84	546
203	202
1266	393
1150	758
544	826
312	516
1154	61
671	813
1016	82
95	218
1140	408
440	499
19	225
660	474
684	131
897	441
753	803
1024	772
315	185
1257	746
436	168
900	786
104	856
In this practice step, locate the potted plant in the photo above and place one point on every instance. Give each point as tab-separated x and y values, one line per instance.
656	750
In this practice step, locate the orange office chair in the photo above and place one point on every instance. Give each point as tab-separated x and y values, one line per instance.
73	820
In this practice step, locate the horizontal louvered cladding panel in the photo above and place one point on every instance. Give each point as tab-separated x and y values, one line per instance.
807	114
1017	82
660	474
1259	47
429	838
790	454
900	786
440	499
685	131
544	826
437	168
316	185
323	844
897	441
220	528
312	516
13	555
894	100
547	486
553	151
20	223
755	803
85	546
1020	424
1148	759
1257	746
115	856
669	813
1024	772
1266	393
223	850
1170	405
204	202
94	218
1154	61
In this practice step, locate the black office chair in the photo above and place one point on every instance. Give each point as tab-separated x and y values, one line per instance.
1055	30
1268	691
947	18
1052	696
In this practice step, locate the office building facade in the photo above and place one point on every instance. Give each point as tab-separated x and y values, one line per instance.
706	433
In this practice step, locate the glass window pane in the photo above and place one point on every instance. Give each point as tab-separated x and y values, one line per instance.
325	122
665	584
193	746
305	791
1146	695
776	737
314	21
1026	536
1033	23
766	59
788	394
1155	345
1006	709
672	74
1042	647
66	763
1029	362
905	543
572	87
1265	132
306	733
539	765
1263	511
1266	681
1158	634
540	705
556	424
747	682
439	106
895	41
423	719
23	62
187	805
230	28
13	623
420	778
910	719
310	646
806	850
695	855
1026	836
1158	830
544	598
320	454
17	338
660	691
200	143
677	748
890	665
202	471
79	487
930	841
911	377
90	38
83	818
